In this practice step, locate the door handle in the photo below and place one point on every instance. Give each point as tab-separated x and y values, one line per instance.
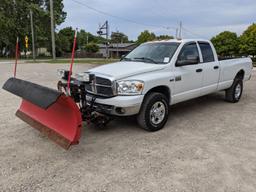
199	70
216	67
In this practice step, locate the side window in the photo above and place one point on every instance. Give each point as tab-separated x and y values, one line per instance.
188	52
206	52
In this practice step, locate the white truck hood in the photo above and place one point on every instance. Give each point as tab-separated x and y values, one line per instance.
126	69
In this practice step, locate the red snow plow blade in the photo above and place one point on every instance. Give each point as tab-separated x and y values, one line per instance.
51	112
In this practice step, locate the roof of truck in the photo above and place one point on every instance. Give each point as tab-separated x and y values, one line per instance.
178	40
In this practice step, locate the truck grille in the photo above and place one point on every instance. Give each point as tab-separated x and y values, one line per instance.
103	81
101	86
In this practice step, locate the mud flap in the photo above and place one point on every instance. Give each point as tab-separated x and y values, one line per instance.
51	112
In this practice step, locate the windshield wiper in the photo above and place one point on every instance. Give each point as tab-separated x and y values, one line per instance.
146	58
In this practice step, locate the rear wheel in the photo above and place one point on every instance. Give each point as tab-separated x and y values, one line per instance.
154	112
234	93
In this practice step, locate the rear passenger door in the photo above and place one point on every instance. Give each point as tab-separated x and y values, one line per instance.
211	69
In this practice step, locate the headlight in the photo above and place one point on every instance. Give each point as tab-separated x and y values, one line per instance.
130	87
84	77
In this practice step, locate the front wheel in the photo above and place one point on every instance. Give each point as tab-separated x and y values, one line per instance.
154	112
234	93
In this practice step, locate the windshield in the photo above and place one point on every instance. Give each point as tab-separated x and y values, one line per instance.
159	53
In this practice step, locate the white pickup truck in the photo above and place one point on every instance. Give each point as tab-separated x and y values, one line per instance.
158	74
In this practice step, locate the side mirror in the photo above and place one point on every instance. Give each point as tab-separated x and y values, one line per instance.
190	60
122	57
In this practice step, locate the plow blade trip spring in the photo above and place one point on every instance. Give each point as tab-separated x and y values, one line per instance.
51	112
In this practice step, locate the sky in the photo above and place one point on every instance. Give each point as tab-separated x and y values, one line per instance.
200	18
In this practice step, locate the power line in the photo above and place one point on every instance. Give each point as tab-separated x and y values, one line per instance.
122	18
138	23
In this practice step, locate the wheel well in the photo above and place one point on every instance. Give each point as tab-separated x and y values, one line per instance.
161	89
240	75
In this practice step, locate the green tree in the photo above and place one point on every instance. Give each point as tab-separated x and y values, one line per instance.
226	44
84	38
248	41
164	37
145	36
15	22
92	48
98	39
118	37
64	40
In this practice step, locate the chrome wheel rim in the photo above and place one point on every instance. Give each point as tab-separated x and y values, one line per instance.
238	91
157	113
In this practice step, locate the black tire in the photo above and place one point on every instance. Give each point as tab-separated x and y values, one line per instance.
231	92
143	118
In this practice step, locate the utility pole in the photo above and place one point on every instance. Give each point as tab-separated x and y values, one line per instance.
117	53
107	34
177	30
105	27
180	34
52	30
33	36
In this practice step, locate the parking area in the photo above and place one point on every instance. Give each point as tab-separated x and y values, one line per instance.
206	145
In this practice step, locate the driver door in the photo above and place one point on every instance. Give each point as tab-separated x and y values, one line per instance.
188	74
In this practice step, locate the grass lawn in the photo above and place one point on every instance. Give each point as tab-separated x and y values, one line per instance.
82	61
7	59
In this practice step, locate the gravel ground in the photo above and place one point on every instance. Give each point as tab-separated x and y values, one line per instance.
206	145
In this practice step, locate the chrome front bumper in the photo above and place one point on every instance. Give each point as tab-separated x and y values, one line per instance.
118	106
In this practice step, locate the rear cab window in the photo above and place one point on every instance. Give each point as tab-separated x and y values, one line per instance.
206	51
